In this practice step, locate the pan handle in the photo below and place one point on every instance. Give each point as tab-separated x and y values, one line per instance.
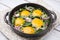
53	15
6	18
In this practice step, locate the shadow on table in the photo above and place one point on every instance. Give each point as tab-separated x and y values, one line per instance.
33	38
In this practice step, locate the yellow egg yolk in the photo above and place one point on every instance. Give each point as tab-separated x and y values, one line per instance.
19	21
37	13
37	23
28	30
25	13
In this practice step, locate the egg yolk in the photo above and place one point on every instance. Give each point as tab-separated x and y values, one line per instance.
37	13
28	30
37	23
25	13
19	21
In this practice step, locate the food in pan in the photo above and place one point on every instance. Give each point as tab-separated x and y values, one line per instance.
19	21
37	23
28	30
30	20
37	12
25	13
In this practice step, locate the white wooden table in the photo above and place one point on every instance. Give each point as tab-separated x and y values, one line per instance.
5	30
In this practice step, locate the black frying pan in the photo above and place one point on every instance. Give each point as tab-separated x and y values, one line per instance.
49	13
